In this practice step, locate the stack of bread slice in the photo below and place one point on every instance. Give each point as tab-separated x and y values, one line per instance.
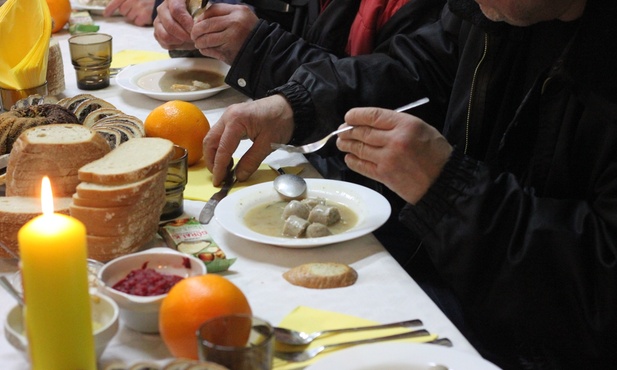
56	151
121	197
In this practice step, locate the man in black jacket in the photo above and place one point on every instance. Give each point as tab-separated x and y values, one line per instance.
512	187
263	55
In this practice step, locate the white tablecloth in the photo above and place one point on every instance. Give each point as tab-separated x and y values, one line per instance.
384	292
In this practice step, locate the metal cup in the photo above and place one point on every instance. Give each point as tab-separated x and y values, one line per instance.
91	58
238	342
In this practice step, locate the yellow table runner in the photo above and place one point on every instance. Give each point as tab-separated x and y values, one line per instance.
199	186
310	319
125	58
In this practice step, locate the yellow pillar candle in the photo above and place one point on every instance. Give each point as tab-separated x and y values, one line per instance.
54	271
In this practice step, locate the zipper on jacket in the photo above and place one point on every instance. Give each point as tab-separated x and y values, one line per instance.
471	93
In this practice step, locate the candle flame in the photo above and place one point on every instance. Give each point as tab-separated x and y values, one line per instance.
47	198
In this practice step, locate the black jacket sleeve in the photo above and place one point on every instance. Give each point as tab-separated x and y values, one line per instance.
409	67
271	54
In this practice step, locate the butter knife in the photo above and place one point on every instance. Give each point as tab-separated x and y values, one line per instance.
208	211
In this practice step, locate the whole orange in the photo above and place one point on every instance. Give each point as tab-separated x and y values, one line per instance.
181	122
190	303
60	13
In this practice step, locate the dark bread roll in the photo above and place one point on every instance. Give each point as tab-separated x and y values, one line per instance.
16	121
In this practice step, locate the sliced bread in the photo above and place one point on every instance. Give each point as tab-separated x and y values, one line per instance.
99	114
83	109
56	151
105	248
118	221
15	212
147	155
321	275
96	195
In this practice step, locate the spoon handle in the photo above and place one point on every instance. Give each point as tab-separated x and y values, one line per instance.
411	334
407	323
412	105
11	289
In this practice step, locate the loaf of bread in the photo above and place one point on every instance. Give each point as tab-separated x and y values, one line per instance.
56	151
16	211
121	197
321	275
132	161
17	120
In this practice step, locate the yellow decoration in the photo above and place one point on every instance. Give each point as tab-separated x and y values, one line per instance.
199	186
55	277
25	26
309	319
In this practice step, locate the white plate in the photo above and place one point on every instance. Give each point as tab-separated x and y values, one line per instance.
399	356
371	207
128	77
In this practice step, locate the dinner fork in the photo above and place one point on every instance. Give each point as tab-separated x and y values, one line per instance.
301	356
313	147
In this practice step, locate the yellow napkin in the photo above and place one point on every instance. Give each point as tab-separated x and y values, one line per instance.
127	57
199	186
310	319
25	26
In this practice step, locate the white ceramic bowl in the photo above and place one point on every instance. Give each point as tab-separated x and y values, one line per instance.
141	313
104	312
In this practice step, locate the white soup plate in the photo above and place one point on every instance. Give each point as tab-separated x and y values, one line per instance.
371	208
128	78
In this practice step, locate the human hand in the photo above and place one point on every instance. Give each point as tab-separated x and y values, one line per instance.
138	12
264	121
399	150
173	25
222	29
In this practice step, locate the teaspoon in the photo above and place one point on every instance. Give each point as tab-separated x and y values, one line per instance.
11	290
298	338
288	185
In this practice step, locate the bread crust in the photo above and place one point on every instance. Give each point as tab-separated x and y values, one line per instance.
16	121
150	155
56	151
96	195
322	275
15	212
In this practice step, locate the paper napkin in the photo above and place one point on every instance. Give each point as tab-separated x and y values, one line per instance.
199	186
310	319
127	57
25	26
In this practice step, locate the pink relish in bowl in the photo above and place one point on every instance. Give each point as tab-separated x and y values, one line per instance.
146	282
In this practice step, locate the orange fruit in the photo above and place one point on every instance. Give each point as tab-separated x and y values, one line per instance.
181	122
60	13
190	303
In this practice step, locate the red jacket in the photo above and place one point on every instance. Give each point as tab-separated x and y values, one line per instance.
372	15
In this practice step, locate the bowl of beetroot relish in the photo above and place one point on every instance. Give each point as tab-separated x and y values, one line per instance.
138	283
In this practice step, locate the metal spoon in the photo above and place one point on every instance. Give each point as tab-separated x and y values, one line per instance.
11	289
288	185
298	338
301	356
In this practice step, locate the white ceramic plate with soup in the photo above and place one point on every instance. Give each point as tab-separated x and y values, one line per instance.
368	208
186	79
